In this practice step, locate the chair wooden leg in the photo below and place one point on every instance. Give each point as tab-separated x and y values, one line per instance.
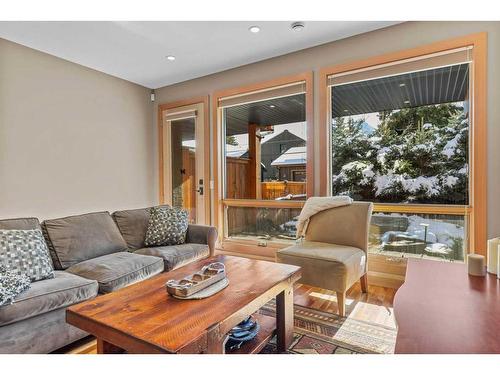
364	283
341	303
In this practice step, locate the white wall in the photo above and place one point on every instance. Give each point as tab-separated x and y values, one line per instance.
72	140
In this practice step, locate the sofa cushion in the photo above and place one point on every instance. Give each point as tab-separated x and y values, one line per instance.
75	239
63	290
133	225
24	252
115	271
20	223
177	255
334	267
167	226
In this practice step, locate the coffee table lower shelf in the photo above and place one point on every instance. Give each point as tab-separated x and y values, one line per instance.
266	332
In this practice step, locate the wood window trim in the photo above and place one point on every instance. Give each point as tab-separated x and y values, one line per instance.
219	201
478	176
161	178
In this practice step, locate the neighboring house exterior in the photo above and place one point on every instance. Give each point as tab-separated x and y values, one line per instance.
291	165
274	145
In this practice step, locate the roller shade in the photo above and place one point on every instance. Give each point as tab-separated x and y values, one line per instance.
180	115
262	95
441	59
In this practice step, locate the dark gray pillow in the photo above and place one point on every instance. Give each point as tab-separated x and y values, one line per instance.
11	285
167	226
24	252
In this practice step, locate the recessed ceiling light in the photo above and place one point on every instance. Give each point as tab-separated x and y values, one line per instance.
402	84
297	26
272	106
407	102
254	29
170	58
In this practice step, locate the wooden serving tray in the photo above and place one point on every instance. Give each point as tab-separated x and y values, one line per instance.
208	275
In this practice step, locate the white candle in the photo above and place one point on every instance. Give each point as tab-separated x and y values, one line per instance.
475	265
493	255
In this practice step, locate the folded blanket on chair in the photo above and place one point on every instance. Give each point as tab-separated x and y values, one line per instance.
317	204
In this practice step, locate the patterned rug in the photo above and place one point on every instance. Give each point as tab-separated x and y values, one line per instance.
317	332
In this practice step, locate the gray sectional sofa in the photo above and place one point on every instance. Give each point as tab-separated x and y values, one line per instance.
92	254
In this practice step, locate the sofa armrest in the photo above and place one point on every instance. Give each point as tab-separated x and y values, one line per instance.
203	234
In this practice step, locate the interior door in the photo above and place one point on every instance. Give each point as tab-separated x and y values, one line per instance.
185	174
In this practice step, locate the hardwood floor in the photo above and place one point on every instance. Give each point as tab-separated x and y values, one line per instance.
374	306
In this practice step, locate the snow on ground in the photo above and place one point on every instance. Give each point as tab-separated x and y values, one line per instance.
290	227
437	231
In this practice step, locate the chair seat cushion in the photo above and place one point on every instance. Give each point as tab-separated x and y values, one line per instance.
334	267
177	255
115	271
47	295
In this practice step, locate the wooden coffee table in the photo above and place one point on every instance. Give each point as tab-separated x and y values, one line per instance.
143	318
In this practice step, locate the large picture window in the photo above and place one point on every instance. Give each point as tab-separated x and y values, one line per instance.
264	166
265	136
400	136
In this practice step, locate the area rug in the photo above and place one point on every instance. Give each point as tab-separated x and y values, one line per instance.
318	332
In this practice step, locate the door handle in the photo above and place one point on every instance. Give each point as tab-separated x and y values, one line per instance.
200	190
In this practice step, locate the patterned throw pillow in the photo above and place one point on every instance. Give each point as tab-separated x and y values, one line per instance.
167	226
25	252
11	285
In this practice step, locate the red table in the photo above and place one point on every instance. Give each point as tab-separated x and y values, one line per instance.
441	309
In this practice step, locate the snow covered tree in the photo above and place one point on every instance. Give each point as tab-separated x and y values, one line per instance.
415	155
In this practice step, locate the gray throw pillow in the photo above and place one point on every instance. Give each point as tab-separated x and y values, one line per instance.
11	285
167	226
25	252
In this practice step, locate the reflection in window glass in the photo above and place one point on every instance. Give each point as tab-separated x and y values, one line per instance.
262	223
403	138
265	149
412	235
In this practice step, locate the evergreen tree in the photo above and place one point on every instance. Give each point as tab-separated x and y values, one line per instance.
415	155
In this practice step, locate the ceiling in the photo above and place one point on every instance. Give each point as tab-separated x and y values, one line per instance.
440	85
136	51
284	110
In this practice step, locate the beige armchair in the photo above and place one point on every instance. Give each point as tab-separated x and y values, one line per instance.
333	253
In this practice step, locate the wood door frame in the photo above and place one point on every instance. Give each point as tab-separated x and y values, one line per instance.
306	77
478	175
206	149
